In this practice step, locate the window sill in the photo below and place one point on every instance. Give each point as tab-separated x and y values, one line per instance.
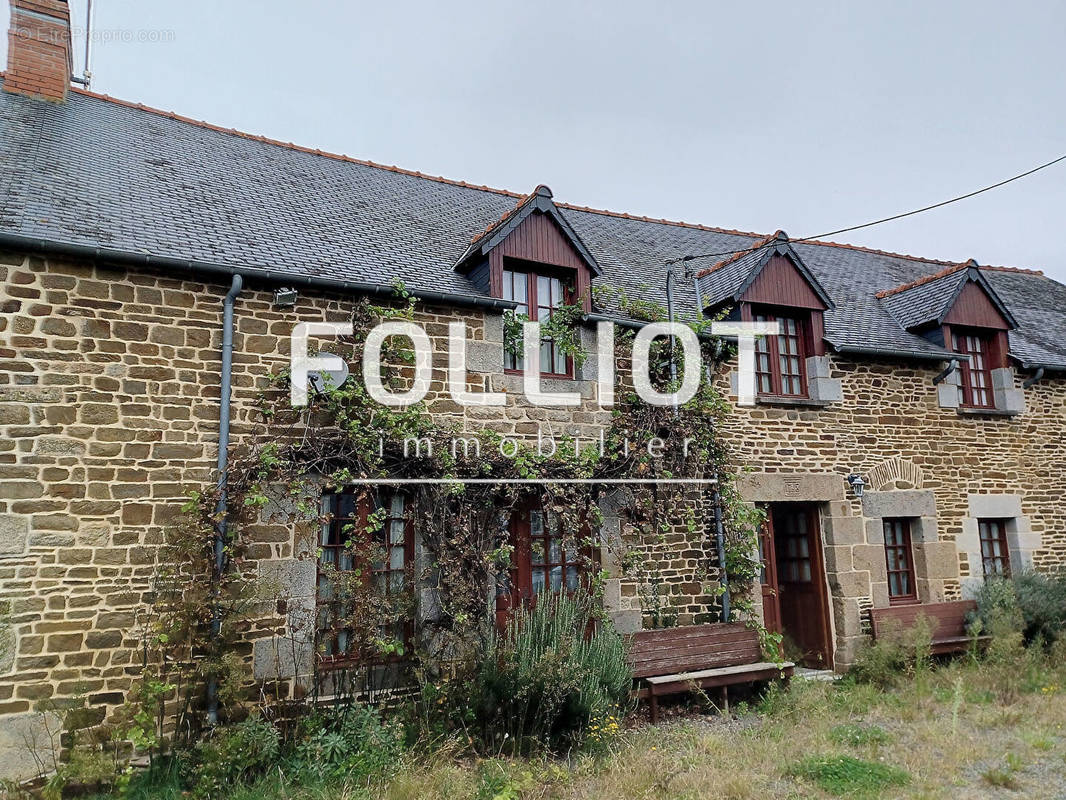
783	400
903	601
548	376
986	412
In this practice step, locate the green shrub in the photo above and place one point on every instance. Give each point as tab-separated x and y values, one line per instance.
352	744
845	776
1033	603
898	651
234	755
553	674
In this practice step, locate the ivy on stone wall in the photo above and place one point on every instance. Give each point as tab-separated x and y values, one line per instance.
343	438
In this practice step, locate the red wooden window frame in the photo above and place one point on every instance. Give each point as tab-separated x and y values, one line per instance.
533	305
538	549
995	553
975	385
899	561
781	361
344	546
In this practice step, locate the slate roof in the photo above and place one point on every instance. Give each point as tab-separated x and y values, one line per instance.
101	173
728	279
926	301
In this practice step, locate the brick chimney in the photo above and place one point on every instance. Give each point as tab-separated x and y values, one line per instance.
39	58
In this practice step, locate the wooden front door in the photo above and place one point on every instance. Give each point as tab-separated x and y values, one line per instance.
771	601
801	590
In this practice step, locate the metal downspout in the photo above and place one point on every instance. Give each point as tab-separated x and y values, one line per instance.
670	318
1029	383
226	390
719	528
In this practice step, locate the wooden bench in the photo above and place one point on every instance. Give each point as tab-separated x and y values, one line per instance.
675	660
948	621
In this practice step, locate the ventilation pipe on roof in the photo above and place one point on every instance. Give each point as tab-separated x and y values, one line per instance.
226	390
1034	380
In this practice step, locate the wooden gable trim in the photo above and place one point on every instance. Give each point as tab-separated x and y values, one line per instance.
537	204
973	308
537	244
781	283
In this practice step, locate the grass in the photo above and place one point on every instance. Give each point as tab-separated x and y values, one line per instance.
845	776
856	735
963	730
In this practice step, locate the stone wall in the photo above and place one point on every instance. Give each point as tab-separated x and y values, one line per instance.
939	467
109	385
109	403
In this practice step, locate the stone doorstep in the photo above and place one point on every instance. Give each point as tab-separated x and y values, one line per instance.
807	674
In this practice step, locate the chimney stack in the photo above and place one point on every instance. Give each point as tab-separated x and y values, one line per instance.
39	57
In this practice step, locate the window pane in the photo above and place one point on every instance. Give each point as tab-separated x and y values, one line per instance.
571	579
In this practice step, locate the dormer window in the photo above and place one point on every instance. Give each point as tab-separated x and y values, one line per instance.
770	283
538	296
780	361
975	375
958	310
534	258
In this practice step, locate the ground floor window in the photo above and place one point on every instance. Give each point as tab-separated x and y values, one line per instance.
545	558
995	557
899	560
365	576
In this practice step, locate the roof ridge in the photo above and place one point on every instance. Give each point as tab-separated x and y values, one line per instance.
658	221
950	271
507	192
922	281
288	145
1017	270
908	257
522	200
393	168
738	255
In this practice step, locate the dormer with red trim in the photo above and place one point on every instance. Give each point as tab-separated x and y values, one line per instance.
534	257
958	309
770	283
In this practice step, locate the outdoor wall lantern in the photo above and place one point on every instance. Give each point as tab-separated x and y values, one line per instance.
857	484
285	297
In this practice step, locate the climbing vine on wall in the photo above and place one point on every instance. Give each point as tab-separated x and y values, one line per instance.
344	438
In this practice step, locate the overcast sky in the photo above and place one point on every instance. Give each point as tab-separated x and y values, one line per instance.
756	116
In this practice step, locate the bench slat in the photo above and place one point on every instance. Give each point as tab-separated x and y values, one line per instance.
689	663
739	669
947	619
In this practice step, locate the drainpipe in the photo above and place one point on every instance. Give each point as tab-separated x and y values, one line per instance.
719	537
223	463
670	317
1028	383
719	528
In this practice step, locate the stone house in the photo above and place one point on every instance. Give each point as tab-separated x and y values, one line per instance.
942	386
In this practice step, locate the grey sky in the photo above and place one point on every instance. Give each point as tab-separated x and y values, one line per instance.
755	116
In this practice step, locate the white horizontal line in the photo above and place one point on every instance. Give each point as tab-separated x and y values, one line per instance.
525	481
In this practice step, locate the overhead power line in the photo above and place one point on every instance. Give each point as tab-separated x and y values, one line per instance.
883	219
